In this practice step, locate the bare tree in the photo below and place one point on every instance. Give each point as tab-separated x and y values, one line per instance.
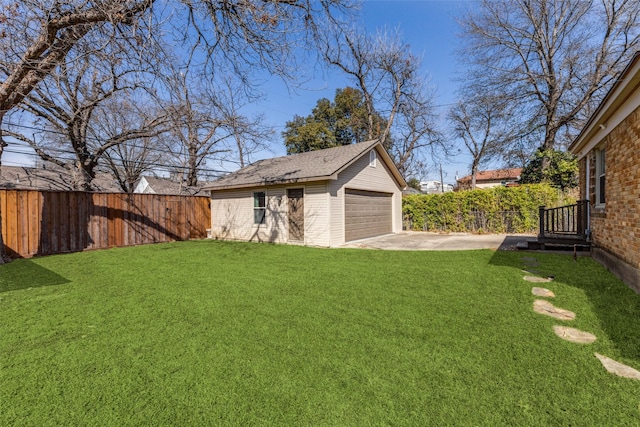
197	133
480	121
131	158
250	134
415	135
37	35
552	58
388	74
68	101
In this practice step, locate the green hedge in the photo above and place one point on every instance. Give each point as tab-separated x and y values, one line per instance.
494	210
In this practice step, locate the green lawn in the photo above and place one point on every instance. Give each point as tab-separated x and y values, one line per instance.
214	333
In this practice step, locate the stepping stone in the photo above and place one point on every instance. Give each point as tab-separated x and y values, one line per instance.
543	292
574	335
617	368
535	279
545	307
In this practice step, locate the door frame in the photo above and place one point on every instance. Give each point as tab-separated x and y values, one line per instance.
302	197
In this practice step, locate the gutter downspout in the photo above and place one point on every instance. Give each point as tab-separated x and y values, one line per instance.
586	193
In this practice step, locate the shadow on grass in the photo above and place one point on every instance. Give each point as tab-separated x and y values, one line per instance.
616	305
24	274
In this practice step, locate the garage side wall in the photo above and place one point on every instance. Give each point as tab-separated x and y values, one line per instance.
232	215
316	214
361	176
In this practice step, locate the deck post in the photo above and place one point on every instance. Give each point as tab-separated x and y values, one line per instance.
541	222
583	213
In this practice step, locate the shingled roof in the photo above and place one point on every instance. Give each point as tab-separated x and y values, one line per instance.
303	167
168	187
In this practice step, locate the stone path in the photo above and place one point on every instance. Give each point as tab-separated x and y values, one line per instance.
543	292
618	368
573	335
535	279
545	307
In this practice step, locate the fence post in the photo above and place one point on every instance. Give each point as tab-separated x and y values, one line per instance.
541	221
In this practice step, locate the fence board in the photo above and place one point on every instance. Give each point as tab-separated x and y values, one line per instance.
23	223
3	209
12	222
42	223
33	227
64	211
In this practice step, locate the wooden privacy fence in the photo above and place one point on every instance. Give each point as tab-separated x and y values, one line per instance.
50	222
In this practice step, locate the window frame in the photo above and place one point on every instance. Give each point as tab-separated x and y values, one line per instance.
373	158
257	196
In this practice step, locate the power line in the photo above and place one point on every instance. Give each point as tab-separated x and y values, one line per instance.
121	161
93	139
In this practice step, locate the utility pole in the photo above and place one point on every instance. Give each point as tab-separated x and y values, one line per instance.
441	181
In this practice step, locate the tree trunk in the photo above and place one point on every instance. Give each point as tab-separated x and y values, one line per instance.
474	173
192	173
549	144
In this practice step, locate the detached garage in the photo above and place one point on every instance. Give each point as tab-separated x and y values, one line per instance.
320	198
367	214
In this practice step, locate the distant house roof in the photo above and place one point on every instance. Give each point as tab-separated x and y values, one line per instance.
493	175
303	167
154	185
50	178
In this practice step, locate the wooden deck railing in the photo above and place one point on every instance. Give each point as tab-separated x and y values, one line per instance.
564	222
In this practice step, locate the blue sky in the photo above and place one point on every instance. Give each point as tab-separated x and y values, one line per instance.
428	26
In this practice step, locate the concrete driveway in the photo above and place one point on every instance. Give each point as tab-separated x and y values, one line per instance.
425	241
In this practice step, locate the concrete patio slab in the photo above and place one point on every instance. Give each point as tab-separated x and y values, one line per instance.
425	241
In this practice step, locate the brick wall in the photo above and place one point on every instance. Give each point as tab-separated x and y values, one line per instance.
616	227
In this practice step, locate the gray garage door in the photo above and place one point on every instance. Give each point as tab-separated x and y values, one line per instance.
366	214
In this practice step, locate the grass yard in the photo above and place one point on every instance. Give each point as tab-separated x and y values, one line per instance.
215	333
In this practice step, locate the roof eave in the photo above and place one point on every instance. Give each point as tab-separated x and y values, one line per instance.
625	85
270	183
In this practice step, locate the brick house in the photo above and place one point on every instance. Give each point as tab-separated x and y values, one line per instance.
608	150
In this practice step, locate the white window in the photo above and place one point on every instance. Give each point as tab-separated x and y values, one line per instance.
373	158
600	177
259	207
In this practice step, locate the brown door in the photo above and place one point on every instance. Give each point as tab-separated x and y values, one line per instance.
366	214
296	214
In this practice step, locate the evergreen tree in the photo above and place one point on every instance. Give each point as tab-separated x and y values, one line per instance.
561	173
342	121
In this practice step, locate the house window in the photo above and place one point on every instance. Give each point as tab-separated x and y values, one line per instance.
600	177
373	158
259	207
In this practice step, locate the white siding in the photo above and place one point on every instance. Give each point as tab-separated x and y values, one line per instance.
232	210
316	215
232	215
360	176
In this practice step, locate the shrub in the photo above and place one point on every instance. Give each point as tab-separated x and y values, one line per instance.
494	210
